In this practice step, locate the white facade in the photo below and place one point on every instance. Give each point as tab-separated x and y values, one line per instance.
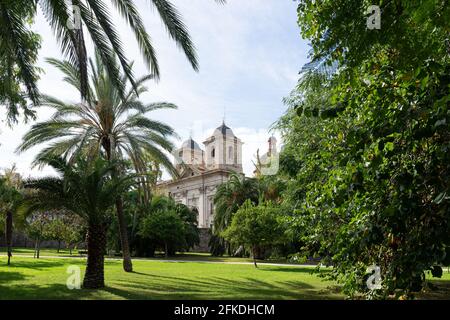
201	172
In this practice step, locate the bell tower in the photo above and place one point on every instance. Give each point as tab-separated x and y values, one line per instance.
224	150
189	153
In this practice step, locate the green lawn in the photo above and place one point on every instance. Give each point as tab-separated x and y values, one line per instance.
191	256
29	278
45	278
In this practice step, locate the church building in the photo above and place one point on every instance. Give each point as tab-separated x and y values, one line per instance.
201	171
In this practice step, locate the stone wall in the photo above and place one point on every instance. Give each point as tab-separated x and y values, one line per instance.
204	234
21	240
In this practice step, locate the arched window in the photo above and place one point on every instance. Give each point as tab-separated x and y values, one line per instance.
213	152
230	153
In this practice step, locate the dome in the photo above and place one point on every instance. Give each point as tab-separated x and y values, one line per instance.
223	130
190	144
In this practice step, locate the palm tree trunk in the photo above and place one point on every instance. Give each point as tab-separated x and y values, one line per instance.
8	234
123	232
127	264
96	244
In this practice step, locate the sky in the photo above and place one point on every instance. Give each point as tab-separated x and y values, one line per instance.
250	53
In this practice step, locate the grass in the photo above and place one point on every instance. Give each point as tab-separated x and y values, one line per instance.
45	278
191	256
29	278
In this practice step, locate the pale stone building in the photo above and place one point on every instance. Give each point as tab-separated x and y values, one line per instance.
201	172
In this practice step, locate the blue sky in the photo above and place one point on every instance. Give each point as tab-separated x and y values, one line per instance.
249	51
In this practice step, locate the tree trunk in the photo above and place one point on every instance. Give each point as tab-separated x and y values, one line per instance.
59	246
127	264
8	234
94	277
166	249
123	232
38	250
254	256
259	251
228	246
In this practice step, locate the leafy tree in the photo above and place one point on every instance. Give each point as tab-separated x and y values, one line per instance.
256	226
66	228
37	228
164	228
116	127
74	232
10	199
190	225
170	225
230	196
56	229
87	189
367	166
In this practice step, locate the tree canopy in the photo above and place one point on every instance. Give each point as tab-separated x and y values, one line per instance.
366	157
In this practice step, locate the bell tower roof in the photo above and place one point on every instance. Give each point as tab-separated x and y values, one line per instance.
223	130
190	144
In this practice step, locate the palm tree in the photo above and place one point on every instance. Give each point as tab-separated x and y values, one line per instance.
227	200
230	196
106	123
95	17
87	189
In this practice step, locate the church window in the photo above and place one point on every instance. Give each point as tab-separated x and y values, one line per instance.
230	153
213	152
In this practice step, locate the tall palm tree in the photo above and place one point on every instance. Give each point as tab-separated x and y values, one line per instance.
106	123
95	17
230	196
87	189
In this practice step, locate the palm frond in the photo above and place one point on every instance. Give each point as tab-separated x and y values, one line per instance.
14	34
58	14
128	10
105	51
177	29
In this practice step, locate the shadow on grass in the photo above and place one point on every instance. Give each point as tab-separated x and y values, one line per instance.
148	285
6	275
307	270
39	264
437	290
218	288
214	287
